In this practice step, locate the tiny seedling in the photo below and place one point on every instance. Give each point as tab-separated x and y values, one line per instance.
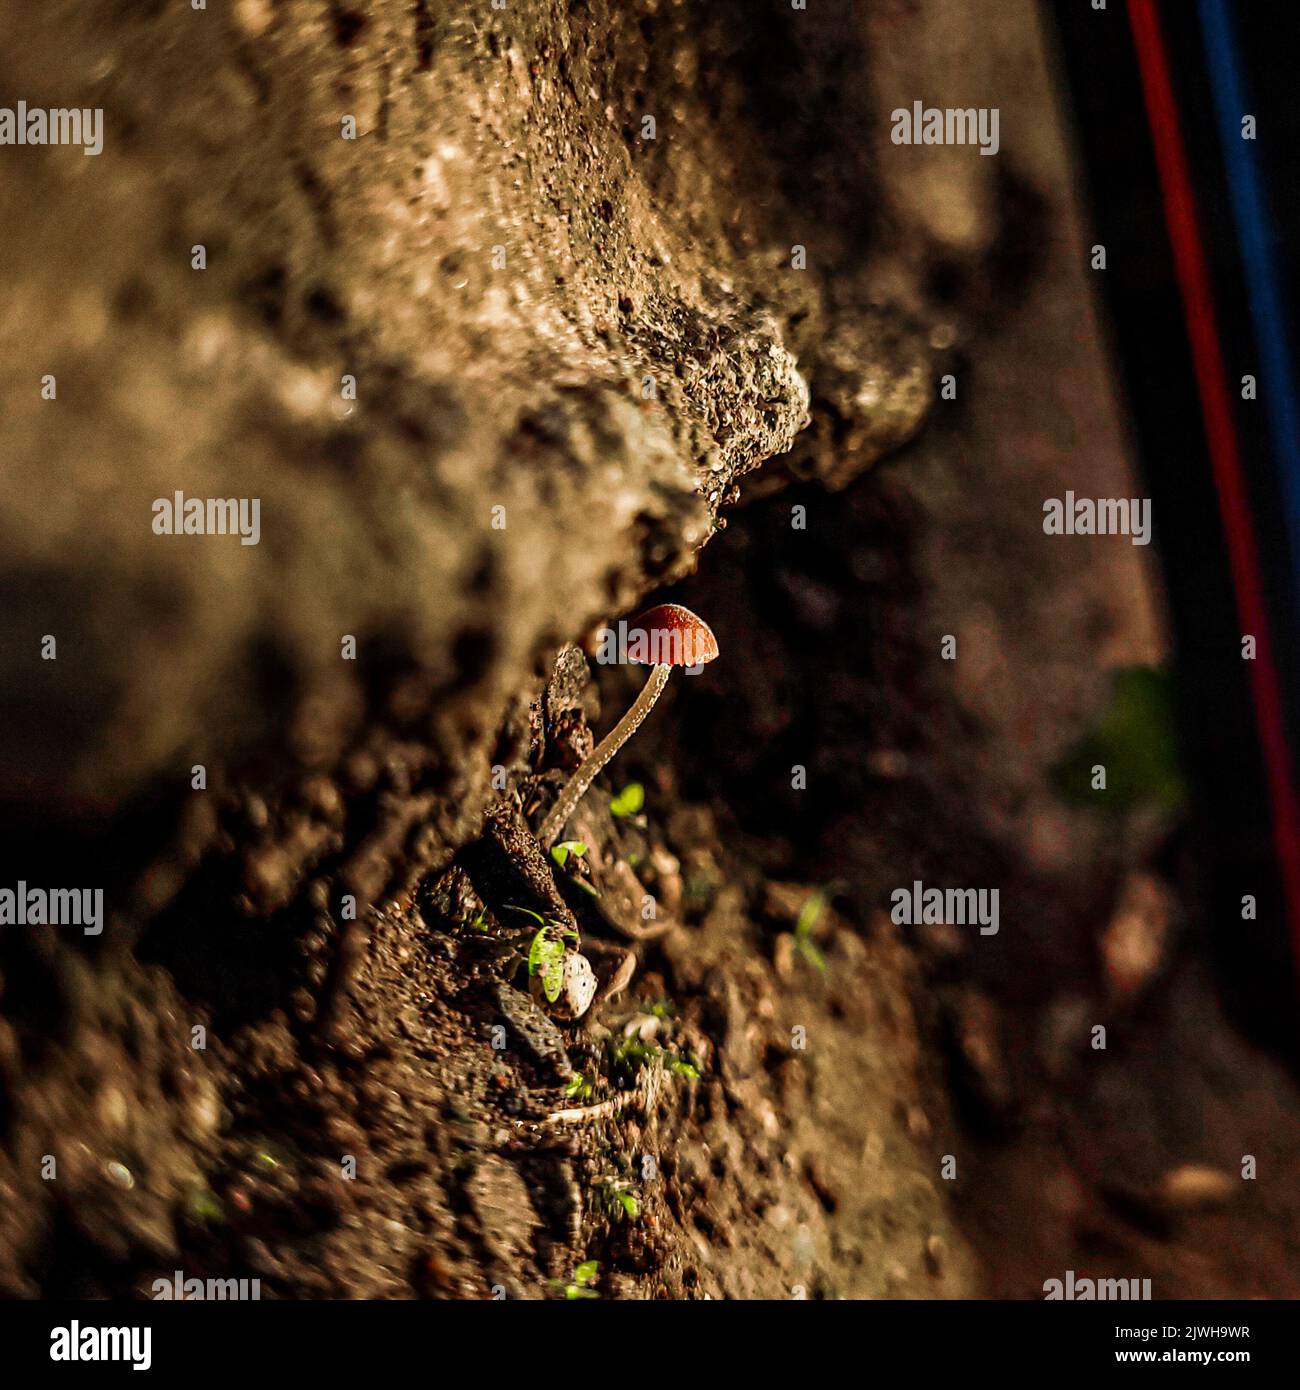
560	976
628	802
629	1055
560	853
583	1278
620	1200
546	957
580	1087
680	1066
803	929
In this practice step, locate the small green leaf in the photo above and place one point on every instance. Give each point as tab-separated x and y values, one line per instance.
808	950
1136	739
629	801
630	1205
546	958
528	912
803	929
579	1088
586	1272
535	949
560	853
573	1291
808	915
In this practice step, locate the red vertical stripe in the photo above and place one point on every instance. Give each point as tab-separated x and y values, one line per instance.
1191	268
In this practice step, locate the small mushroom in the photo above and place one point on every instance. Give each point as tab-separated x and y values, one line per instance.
669	635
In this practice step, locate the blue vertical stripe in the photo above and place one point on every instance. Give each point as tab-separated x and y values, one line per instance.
1259	264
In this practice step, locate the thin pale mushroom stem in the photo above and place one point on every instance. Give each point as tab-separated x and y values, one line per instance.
577	785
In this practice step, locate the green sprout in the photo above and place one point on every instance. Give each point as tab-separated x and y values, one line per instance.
628	802
803	928
560	853
621	1202
546	957
580	1088
528	912
679	1066
630	1055
583	1277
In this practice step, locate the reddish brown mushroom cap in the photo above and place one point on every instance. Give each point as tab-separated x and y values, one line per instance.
674	636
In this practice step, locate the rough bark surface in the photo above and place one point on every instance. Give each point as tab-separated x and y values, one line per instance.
305	1049
570	342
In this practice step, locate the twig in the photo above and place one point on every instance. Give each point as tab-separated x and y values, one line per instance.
584	1113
